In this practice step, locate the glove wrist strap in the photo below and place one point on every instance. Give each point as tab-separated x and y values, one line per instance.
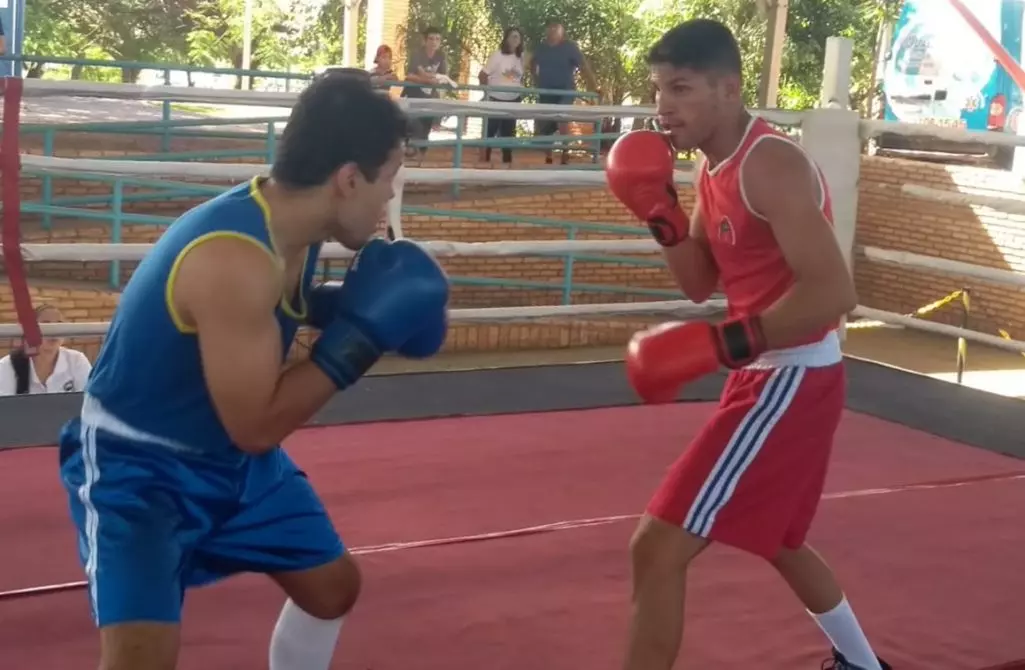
344	353
667	224
740	341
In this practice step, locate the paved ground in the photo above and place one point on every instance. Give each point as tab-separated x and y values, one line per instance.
99	110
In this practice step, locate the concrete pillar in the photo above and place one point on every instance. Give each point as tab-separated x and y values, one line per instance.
386	24
836	73
831	136
350	34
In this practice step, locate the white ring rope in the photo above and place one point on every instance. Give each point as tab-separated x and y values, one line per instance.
870	128
98	252
678	308
85	252
245	171
939	328
908	259
553	177
37	88
1008	204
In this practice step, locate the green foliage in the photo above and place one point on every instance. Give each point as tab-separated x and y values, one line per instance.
301	35
465	26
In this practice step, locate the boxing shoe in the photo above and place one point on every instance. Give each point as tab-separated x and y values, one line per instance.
839	662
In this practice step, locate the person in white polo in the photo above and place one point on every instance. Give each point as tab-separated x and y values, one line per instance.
55	369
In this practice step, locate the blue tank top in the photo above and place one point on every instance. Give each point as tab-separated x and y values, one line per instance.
147	383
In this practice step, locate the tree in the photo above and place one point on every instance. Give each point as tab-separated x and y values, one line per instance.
467	29
218	32
59	28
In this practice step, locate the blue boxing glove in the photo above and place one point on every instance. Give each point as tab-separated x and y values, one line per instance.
429	340
393	298
322	304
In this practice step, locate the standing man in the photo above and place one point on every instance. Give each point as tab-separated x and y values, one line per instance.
554	66
426	65
762	229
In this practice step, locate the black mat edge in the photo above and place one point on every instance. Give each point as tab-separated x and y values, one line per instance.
972	417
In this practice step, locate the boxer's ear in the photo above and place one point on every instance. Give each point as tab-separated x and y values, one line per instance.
346	179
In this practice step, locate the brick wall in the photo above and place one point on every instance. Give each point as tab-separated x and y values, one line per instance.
886	219
91	305
976	235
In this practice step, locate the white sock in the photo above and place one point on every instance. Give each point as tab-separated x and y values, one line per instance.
843	630
301	641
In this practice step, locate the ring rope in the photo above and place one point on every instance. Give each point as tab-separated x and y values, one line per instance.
920	312
244	171
96	251
1007	204
680	308
868	128
10	195
41	88
436	176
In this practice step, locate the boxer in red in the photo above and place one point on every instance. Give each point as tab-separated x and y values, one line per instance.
762	230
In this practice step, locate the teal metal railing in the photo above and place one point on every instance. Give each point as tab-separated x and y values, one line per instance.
168	128
79	208
267	128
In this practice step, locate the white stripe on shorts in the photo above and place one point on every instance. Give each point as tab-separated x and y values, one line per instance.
743	448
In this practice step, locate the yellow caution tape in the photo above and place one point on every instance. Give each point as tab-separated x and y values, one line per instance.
921	311
1007	336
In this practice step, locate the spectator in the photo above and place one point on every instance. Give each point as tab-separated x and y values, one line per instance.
383	72
504	68
554	66
53	370
3	40
427	65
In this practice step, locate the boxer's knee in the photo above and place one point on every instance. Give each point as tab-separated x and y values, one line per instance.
658	547
139	646
326	592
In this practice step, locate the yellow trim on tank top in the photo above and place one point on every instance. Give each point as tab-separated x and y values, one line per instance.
286	300
172	276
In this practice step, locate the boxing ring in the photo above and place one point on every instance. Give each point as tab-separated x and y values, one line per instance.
491	509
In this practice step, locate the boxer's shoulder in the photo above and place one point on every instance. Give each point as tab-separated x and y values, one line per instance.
774	166
224	268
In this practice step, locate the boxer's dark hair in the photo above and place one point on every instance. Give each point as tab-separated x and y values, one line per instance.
702	45
340	118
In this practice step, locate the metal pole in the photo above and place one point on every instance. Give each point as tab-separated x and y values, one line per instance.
772	56
247	41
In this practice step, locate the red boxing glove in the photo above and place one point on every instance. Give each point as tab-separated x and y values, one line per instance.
639	172
662	359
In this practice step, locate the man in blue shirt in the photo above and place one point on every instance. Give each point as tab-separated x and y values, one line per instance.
554	66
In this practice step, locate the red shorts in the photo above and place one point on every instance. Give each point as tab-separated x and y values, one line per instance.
753	477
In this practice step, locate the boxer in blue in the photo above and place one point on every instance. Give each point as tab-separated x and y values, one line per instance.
173	468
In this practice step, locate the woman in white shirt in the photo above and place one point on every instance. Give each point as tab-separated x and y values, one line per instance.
53	370
505	67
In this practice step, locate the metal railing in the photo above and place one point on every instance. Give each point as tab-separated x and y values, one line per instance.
78	208
169	128
266	130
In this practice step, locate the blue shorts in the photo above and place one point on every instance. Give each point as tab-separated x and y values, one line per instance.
152	524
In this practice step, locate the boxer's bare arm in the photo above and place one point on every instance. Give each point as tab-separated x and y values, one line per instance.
227	290
691	262
783	187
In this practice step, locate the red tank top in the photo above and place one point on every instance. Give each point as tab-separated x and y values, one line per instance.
753	271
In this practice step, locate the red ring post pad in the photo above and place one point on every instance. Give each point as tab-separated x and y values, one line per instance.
10	199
